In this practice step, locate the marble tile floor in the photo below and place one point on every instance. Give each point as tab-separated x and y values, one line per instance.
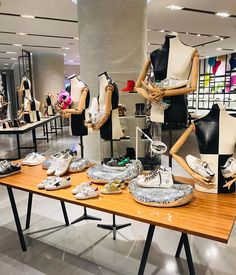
84	249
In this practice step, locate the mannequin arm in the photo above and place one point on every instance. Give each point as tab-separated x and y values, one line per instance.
229	183
81	106
181	161
143	73
109	89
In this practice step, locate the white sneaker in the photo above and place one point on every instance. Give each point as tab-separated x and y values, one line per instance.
81	187
171	83
49	180
63	165
28	158
36	160
200	167
54	163
87	193
229	169
161	177
59	183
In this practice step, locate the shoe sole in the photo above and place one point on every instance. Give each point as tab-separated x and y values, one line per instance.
87	198
13	173
112	192
58	188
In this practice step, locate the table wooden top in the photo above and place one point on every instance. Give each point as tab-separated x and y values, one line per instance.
28	126
210	216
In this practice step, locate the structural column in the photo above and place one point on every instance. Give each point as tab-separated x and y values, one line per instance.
112	38
48	72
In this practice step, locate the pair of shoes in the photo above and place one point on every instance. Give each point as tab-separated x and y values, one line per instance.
8	168
7	124
33	159
85	191
54	183
171	83
60	164
201	167
140	109
229	168
78	165
161	177
129	86
113	187
119	164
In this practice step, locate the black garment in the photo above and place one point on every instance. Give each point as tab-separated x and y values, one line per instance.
77	125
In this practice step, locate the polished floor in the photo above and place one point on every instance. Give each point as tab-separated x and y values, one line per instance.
83	248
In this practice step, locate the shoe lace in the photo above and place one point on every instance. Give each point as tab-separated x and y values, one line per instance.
150	176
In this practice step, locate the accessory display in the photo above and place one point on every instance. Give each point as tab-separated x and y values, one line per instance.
200	167
161	177
177	195
7	168
129	86
229	168
87	193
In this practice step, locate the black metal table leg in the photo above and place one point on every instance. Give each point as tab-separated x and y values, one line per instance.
61	124
34	140
29	207
170	143
113	227
17	219
185	242
65	213
55	121
146	249
44	130
18	145
46	126
85	216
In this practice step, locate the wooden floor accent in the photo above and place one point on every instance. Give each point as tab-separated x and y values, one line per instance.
210	216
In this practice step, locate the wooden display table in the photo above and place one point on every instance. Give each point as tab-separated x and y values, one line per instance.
209	216
32	127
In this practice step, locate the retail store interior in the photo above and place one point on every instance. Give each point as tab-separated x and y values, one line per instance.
117	137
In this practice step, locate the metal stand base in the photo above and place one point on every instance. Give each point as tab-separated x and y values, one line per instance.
85	216
113	227
184	242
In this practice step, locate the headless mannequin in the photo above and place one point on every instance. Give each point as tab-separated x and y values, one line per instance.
109	124
25	89
216	136
49	104
80	97
175	60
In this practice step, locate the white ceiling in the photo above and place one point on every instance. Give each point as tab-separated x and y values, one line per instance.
157	15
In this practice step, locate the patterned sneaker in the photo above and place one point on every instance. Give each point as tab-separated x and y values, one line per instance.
81	187
7	168
161	177
200	167
28	158
87	193
229	169
111	188
78	165
59	183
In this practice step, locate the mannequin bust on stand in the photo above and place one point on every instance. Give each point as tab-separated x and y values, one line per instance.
109	123
25	92
80	102
177	65
216	137
49	110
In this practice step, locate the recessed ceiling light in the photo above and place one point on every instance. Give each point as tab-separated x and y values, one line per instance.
198	34
13	58
27	16
219	49
65	48
223	14
11	52
174	7
186	32
216	36
221	38
64	54
17	45
22	33
149	43
71	61
149	30
5	64
76	38
162	31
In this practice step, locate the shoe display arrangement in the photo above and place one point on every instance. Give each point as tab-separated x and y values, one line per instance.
111	188
78	165
229	168
8	168
54	163
129	86
171	83
87	193
55	183
33	159
201	167
161	177
140	109
81	187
